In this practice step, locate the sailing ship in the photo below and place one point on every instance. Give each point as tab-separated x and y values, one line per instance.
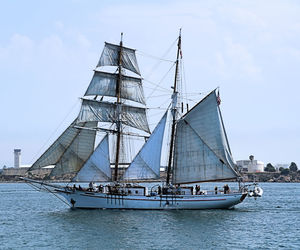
114	104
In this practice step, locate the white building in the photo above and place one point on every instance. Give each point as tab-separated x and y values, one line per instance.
253	166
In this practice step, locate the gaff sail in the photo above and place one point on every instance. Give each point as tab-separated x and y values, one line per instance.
201	151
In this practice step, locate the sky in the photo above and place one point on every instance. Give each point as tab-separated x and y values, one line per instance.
249	49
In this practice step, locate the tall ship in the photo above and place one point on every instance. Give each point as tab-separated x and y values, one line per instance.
114	106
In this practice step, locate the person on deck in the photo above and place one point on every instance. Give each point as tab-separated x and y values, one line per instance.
226	189
159	190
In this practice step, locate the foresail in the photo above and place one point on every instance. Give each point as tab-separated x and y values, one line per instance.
92	110
146	164
55	152
201	149
110	57
97	167
104	84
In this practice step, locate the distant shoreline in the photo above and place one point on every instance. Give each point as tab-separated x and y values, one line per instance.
264	177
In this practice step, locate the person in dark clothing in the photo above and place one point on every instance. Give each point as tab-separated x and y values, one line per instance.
226	189
159	190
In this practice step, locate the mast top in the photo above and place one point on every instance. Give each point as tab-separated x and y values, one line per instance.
121	41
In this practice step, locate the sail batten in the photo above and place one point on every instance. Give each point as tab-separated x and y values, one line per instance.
110	57
92	110
104	84
146	164
201	150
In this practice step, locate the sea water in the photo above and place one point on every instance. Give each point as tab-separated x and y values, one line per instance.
38	220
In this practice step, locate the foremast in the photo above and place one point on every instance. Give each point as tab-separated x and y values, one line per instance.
174	109
121	111
118	122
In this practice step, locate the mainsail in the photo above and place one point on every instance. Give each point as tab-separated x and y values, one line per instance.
201	151
97	167
70	150
146	164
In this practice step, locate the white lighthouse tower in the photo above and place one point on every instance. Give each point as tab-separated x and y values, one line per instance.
17	158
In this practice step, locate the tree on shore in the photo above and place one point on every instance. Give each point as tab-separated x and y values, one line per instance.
270	168
293	167
285	171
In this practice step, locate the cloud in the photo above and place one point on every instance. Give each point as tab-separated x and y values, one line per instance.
235	60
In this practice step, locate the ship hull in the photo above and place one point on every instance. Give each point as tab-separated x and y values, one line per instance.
91	200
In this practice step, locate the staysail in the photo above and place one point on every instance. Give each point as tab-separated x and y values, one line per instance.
92	110
146	164
97	167
201	151
70	150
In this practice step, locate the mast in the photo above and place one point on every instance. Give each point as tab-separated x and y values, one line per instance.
118	122
174	110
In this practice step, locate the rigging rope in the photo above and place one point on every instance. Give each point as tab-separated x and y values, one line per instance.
55	131
160	81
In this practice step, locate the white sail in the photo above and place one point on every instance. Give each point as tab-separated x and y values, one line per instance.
104	84
92	110
110	57
201	150
146	164
97	167
55	152
77	153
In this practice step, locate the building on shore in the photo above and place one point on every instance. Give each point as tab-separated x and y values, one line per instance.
17	158
249	166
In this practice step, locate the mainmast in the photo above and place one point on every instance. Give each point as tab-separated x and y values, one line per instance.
118	122
174	109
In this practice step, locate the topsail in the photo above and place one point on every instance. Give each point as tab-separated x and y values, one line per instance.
105	84
101	111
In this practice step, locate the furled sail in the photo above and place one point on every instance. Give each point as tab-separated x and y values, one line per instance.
110	57
201	151
97	167
146	164
104	84
100	111
70	138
